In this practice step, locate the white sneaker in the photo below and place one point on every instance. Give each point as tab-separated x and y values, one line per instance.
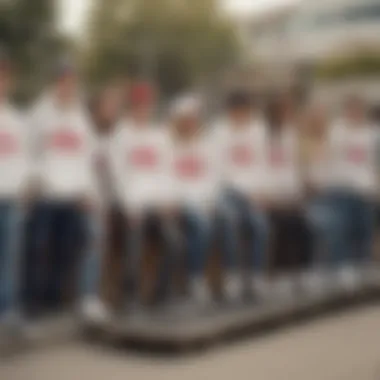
261	287
284	288
94	311
348	278
233	287
200	292
314	282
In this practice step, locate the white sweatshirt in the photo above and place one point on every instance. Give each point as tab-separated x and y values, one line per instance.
242	154
14	153
141	159
285	180
196	173
64	147
353	157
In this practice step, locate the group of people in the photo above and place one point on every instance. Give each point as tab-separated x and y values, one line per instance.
277	189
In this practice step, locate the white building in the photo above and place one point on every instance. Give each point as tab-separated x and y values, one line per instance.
287	40
324	28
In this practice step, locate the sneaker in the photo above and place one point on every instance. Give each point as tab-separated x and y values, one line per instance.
200	292
94	312
261	287
348	278
313	282
284	288
233	288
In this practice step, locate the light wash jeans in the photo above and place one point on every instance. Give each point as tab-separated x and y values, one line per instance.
95	235
198	231
237	217
343	223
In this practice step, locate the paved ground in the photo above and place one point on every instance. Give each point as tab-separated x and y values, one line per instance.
344	347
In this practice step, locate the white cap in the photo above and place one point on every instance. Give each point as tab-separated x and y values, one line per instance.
186	105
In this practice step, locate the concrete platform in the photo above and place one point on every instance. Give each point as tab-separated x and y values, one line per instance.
46	332
181	331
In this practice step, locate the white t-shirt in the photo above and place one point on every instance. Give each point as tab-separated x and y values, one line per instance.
242	154
353	155
196	173
15	164
141	160
64	148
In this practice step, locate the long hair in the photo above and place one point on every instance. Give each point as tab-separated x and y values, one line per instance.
279	110
95	106
274	116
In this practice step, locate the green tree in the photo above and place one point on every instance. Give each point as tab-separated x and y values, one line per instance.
28	31
360	64
175	42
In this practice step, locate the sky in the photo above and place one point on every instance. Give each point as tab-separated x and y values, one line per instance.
74	11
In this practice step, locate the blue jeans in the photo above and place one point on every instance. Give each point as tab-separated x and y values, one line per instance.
93	253
11	235
198	237
239	217
343	223
59	231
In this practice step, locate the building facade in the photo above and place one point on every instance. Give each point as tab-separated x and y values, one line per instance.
289	42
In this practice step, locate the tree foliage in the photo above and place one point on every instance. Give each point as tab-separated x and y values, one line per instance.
357	65
175	42
28	32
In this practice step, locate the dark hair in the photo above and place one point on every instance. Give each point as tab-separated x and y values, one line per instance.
239	99
94	105
64	65
275	113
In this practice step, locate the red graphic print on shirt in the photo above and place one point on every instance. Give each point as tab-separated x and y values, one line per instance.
144	157
66	141
242	155
8	144
190	167
357	154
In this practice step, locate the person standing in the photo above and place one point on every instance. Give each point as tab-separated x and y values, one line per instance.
14	172
353	155
141	159
65	188
197	185
291	233
319	205
242	145
105	110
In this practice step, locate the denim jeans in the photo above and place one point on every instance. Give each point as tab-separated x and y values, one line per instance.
94	225
198	231
244	232
58	231
344	224
11	235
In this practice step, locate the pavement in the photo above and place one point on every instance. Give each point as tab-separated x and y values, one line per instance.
345	346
